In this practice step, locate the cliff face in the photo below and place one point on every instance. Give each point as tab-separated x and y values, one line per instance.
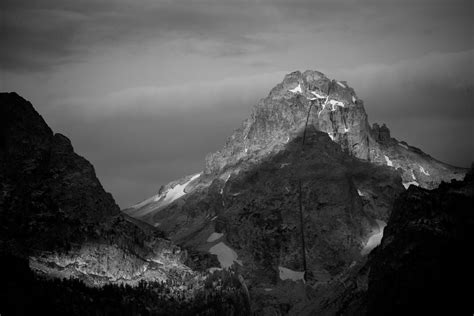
282	115
55	212
336	110
422	266
423	263
244	206
251	218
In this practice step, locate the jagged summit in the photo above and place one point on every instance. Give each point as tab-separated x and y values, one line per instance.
330	106
325	105
335	109
243	207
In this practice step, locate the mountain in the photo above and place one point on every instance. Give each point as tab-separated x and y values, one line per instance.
325	105
421	265
287	218
306	154
337	111
55	211
58	225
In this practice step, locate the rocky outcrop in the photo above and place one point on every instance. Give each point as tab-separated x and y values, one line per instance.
254	213
282	115
423	264
335	110
381	133
246	201
54	211
313	100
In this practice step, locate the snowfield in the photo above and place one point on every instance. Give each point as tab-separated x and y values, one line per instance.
317	95
287	274
407	184
374	239
214	236
403	145
226	255
297	89
178	191
335	103
341	84
422	170
389	162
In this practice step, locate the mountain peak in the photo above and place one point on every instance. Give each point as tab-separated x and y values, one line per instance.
330	106
308	101
311	99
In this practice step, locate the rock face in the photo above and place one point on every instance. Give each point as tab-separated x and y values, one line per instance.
422	266
423	263
335	110
255	214
248	194
55	212
325	105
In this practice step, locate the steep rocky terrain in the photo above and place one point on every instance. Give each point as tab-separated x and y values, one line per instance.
337	111
422	266
423	263
58	223
311	99
245	206
55	211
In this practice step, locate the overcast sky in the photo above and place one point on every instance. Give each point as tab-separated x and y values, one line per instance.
144	89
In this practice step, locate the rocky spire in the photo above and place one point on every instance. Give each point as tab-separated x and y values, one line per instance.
281	116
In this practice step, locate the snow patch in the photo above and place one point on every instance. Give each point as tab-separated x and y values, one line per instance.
287	274
268	289
422	170
389	162
226	255
412	174
375	238
407	184
178	190
360	193
403	145
297	89
283	165
335	103
317	95
331	136
214	236
246	150
346	129
341	84
354	99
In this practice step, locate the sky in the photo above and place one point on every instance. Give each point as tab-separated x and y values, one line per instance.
145	89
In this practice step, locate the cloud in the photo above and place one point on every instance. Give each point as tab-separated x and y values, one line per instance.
143	137
137	85
41	35
166	101
426	101
437	85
